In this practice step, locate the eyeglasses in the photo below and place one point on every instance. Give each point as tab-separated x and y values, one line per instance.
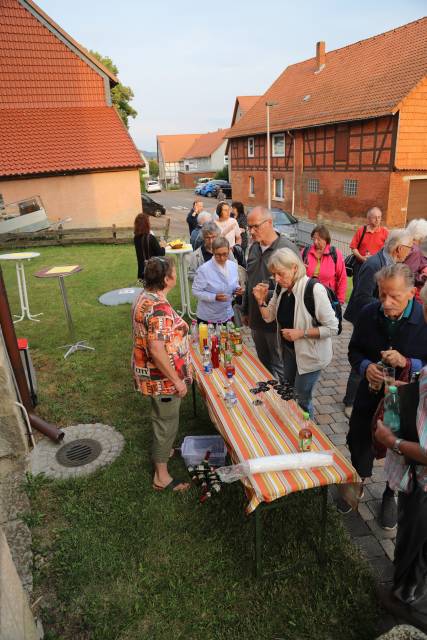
257	226
221	255
406	245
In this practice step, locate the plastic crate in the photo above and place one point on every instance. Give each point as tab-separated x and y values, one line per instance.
193	450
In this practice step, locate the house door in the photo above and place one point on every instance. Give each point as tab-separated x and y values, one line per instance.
417	200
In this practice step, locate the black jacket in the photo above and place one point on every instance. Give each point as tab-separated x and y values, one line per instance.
191	221
366	290
146	247
369	338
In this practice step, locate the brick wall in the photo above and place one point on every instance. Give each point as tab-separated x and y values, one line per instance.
412	138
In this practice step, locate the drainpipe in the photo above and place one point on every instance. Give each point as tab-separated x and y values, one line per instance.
293	171
8	329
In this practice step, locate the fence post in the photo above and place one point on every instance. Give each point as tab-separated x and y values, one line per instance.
114	232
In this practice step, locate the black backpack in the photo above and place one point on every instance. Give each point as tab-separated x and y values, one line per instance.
332	253
309	302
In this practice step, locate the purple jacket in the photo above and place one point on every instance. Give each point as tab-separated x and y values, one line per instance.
417	261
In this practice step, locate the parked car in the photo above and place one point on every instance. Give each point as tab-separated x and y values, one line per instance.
285	223
201	181
151	207
211	188
199	188
152	185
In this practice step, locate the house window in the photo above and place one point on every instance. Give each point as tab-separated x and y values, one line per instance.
313	185
251	147
278	146
225	160
341	143
350	187
251	186
278	188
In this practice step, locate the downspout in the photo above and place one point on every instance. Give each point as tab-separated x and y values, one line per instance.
293	171
8	330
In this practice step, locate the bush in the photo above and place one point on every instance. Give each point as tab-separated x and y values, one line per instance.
141	181
222	174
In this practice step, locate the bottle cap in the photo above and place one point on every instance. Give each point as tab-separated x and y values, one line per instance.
306	415
392	388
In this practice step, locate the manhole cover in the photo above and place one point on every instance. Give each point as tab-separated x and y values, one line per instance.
78	452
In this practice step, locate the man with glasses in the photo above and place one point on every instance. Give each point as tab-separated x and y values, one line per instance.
265	241
396	249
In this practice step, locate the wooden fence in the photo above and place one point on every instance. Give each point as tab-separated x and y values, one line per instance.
96	235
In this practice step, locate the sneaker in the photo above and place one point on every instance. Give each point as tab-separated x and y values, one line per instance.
343	506
388	515
348	411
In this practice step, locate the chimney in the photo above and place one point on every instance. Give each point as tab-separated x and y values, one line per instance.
320	56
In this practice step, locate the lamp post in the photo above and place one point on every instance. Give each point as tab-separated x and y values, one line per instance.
267	106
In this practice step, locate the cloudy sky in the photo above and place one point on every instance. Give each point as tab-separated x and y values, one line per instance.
186	62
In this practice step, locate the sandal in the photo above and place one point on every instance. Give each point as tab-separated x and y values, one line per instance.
172	486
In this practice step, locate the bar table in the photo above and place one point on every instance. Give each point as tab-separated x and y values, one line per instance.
183	277
19	258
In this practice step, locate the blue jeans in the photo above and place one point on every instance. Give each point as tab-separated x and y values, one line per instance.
303	383
268	351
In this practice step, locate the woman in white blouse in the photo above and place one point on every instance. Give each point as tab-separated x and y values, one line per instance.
228	225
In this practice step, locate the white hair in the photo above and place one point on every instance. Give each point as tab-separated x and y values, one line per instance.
204	216
418	229
285	259
265	213
397	237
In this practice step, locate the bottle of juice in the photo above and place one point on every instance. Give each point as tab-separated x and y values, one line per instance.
238	344
203	334
215	353
305	435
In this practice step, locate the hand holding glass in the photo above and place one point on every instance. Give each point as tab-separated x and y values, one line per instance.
260	292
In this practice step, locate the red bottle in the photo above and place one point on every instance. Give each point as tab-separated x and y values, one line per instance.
215	353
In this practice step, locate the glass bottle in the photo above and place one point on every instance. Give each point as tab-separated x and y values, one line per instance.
305	435
392	410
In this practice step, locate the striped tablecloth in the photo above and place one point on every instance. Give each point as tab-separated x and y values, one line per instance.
272	428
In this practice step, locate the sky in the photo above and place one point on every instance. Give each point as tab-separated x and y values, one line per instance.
186	61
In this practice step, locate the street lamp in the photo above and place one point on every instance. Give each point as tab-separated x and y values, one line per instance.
267	106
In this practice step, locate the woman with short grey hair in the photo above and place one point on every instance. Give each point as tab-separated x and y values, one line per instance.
215	284
417	259
305	341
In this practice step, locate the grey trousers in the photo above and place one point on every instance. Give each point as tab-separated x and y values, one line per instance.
165	423
268	351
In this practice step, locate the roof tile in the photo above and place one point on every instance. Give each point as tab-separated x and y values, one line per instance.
174	147
206	144
362	80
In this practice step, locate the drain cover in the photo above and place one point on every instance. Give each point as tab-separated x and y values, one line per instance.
78	452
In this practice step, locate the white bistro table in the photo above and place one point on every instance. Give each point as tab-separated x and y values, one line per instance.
183	278
19	258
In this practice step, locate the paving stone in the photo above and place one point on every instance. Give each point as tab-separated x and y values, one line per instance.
325	399
369	546
383	568
376	489
365	512
326	429
388	546
338	438
379	532
339	427
355	525
324	408
324	418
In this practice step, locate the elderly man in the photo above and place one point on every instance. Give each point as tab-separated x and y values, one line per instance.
396	249
265	241
196	238
368	239
192	215
390	331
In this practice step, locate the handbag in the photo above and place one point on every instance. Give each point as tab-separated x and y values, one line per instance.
350	261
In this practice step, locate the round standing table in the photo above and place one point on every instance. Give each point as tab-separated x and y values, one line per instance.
61	273
183	278
19	258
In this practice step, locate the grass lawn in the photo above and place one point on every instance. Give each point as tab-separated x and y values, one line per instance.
116	561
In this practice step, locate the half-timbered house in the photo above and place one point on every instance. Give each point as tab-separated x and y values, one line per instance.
348	131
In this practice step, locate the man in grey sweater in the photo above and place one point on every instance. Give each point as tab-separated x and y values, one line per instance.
265	241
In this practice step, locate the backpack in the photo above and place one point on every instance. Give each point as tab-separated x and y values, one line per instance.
332	253
309	302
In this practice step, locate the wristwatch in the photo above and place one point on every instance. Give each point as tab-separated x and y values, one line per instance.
305	333
396	446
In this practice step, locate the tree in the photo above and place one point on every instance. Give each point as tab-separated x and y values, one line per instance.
120	95
153	168
222	174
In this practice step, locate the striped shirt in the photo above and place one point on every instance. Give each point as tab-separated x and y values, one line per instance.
398	473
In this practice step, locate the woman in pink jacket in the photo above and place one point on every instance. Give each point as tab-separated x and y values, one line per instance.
325	262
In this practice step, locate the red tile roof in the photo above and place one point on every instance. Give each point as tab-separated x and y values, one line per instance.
206	144
174	147
54	115
362	80
36	141
247	102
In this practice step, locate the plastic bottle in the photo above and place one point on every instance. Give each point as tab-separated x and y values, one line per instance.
229	366
230	397
211	332
203	334
194	332
207	364
305	435
392	410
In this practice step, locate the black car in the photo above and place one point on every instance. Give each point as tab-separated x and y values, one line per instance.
152	207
